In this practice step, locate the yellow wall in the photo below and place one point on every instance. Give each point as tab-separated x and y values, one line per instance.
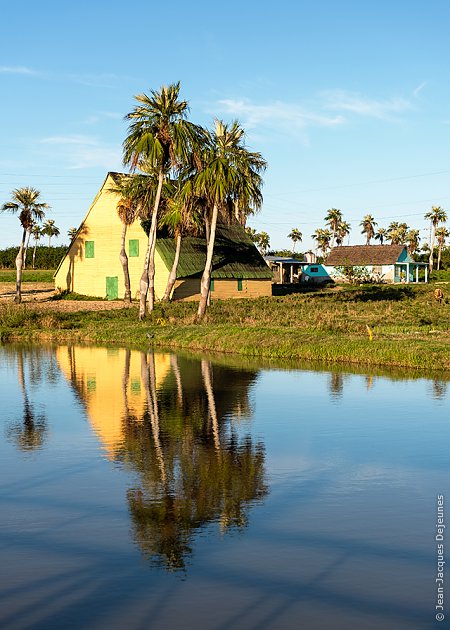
99	373
103	226
189	289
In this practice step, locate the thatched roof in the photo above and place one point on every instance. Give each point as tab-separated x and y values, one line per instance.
235	256
364	255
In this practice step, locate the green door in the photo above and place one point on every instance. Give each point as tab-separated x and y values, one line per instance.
112	288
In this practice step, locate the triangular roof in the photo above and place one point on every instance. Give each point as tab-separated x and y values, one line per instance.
364	255
235	255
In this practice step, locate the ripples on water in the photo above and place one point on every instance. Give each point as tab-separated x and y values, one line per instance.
150	490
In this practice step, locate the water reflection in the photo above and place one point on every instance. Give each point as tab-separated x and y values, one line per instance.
28	433
172	421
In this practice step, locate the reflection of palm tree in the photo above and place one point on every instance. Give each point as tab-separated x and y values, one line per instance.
30	432
207	380
188	477
440	389
336	384
176	371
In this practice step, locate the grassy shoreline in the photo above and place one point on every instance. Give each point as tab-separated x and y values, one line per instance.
409	328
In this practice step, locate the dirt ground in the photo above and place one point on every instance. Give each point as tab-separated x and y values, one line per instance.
39	294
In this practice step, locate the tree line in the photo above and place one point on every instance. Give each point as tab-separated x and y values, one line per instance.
397	233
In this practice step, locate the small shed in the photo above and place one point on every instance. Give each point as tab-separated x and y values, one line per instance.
387	263
288	271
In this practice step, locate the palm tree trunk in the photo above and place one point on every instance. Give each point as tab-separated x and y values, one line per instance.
439	257
26	248
430	261
19	267
147	281
124	262
34	253
206	277
173	272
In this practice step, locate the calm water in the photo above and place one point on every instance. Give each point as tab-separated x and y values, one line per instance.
155	491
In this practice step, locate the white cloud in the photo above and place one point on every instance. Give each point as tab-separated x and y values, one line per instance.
278	116
16	70
78	152
419	88
341	100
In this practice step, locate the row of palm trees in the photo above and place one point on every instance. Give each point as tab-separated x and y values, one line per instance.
31	210
397	233
186	179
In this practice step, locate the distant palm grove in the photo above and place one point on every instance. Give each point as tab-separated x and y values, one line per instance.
186	180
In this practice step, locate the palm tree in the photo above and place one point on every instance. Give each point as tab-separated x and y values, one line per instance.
183	215
381	235
228	172
397	233
160	135
412	240
49	229
25	201
343	230
368	225
322	238
263	242
295	236
441	235
333	219
252	233
37	233
72	232
435	216
127	212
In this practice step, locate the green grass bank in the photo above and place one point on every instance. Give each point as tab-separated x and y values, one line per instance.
369	325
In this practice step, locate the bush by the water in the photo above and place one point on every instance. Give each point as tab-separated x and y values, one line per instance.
46	257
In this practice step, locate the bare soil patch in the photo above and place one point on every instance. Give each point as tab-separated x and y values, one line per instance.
40	294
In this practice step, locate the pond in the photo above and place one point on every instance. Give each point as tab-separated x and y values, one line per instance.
150	490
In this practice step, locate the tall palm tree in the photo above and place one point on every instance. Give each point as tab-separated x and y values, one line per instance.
343	230
127	212
37	233
397	233
160	135
25	202
412	241
441	235
49	229
183	215
228	172
333	219
381	235
295	235
435	216
323	239
368	225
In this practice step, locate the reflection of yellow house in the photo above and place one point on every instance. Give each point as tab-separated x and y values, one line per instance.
99	375
92	266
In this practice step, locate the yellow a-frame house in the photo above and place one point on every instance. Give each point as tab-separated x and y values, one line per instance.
92	266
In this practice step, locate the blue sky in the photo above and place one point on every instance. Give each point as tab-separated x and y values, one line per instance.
348	101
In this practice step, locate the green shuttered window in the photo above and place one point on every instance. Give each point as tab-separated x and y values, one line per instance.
211	286
239	284
89	249
133	248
